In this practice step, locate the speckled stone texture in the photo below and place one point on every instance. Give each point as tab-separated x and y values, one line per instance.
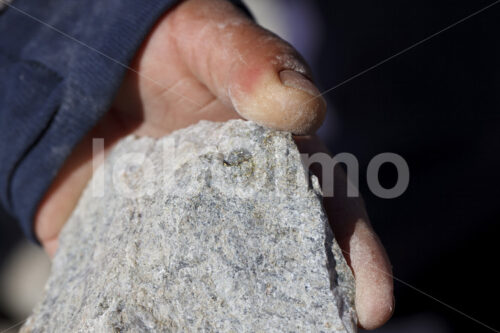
214	228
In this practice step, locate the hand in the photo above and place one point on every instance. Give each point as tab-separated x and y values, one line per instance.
206	60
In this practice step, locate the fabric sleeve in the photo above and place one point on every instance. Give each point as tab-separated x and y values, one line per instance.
61	63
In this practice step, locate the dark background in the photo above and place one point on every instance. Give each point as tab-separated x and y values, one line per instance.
10	235
438	106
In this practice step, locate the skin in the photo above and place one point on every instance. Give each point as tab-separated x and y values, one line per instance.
205	59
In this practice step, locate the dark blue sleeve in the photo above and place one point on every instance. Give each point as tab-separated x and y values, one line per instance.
56	83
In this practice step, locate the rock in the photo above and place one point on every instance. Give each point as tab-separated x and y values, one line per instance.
214	228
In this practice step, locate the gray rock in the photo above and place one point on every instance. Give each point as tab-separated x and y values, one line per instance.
214	228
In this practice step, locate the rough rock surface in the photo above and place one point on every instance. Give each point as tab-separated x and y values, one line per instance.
214	228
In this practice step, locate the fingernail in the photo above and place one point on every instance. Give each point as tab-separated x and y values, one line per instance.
297	80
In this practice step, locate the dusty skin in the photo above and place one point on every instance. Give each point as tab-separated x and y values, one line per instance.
206	60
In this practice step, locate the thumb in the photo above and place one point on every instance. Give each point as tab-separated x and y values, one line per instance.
247	67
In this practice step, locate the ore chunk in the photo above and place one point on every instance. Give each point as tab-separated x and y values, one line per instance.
214	228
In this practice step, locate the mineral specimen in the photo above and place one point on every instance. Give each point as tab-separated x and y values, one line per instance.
214	228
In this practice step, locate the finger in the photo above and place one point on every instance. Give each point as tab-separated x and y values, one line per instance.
366	256
63	194
246	66
361	246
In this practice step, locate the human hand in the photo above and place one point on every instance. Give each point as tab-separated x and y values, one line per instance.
205	59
